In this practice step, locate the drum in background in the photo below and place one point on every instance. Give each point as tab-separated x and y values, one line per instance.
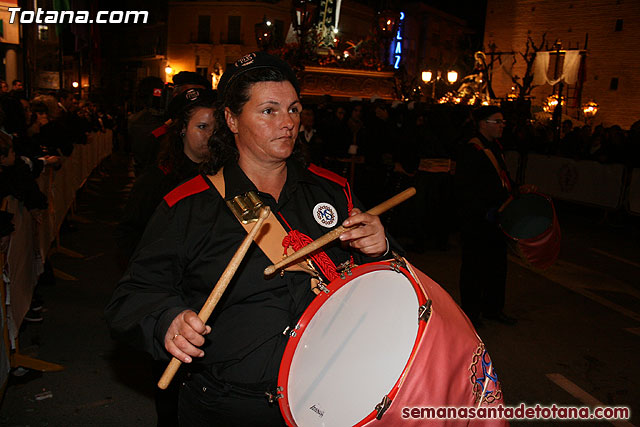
351	347
531	224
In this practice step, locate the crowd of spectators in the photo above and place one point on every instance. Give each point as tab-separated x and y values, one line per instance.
604	144
379	129
35	134
379	145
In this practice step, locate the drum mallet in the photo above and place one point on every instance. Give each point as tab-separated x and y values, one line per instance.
336	232
217	292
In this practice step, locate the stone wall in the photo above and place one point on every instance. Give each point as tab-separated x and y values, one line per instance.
610	53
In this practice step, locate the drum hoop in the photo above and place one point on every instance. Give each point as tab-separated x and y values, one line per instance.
546	232
312	309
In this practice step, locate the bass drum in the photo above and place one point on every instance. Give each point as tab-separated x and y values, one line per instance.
352	347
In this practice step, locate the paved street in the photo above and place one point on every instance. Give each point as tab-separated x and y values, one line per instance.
576	343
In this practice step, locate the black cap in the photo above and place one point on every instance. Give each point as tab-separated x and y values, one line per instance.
190	97
485	112
254	61
191	78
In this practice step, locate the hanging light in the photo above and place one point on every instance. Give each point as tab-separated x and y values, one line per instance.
168	70
452	76
75	84
426	76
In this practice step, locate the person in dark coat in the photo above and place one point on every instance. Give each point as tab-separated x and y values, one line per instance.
144	146
480	191
182	150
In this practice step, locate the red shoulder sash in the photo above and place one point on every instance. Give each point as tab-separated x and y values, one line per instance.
193	186
325	173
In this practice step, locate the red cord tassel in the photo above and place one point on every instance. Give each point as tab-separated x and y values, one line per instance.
298	240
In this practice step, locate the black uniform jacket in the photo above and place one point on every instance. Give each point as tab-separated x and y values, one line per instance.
185	248
147	192
478	186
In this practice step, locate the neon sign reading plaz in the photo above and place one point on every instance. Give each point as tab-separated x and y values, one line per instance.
396	46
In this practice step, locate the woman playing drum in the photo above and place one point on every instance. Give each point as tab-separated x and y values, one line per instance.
233	360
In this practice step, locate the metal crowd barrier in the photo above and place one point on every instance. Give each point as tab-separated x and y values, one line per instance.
582	181
32	240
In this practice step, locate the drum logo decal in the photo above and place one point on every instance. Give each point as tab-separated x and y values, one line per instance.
325	215
484	379
317	410
567	177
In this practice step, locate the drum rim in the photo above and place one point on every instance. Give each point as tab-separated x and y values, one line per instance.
552	227
312	309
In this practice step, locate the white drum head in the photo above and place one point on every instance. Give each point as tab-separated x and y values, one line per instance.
352	351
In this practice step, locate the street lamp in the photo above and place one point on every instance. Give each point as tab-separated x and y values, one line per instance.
590	109
264	33
431	77
551	103
303	15
452	76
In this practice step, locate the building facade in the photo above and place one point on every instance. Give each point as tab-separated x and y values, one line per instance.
206	36
9	43
434	40
608	28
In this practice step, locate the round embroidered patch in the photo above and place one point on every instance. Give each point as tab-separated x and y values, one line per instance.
325	215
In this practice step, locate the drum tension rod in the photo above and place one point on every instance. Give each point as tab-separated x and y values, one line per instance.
291	331
382	407
320	286
273	397
397	262
424	311
345	268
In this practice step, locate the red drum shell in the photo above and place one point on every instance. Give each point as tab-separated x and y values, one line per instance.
531	225
308	316
449	365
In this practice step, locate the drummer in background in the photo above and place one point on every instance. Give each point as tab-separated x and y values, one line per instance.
480	192
233	360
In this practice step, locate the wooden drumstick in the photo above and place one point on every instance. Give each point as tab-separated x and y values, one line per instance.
336	232
217	292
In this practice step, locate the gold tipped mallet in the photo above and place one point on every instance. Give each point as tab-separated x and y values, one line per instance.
336	232
217	291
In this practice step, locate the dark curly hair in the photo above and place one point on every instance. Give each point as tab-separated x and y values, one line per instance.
171	155
222	145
